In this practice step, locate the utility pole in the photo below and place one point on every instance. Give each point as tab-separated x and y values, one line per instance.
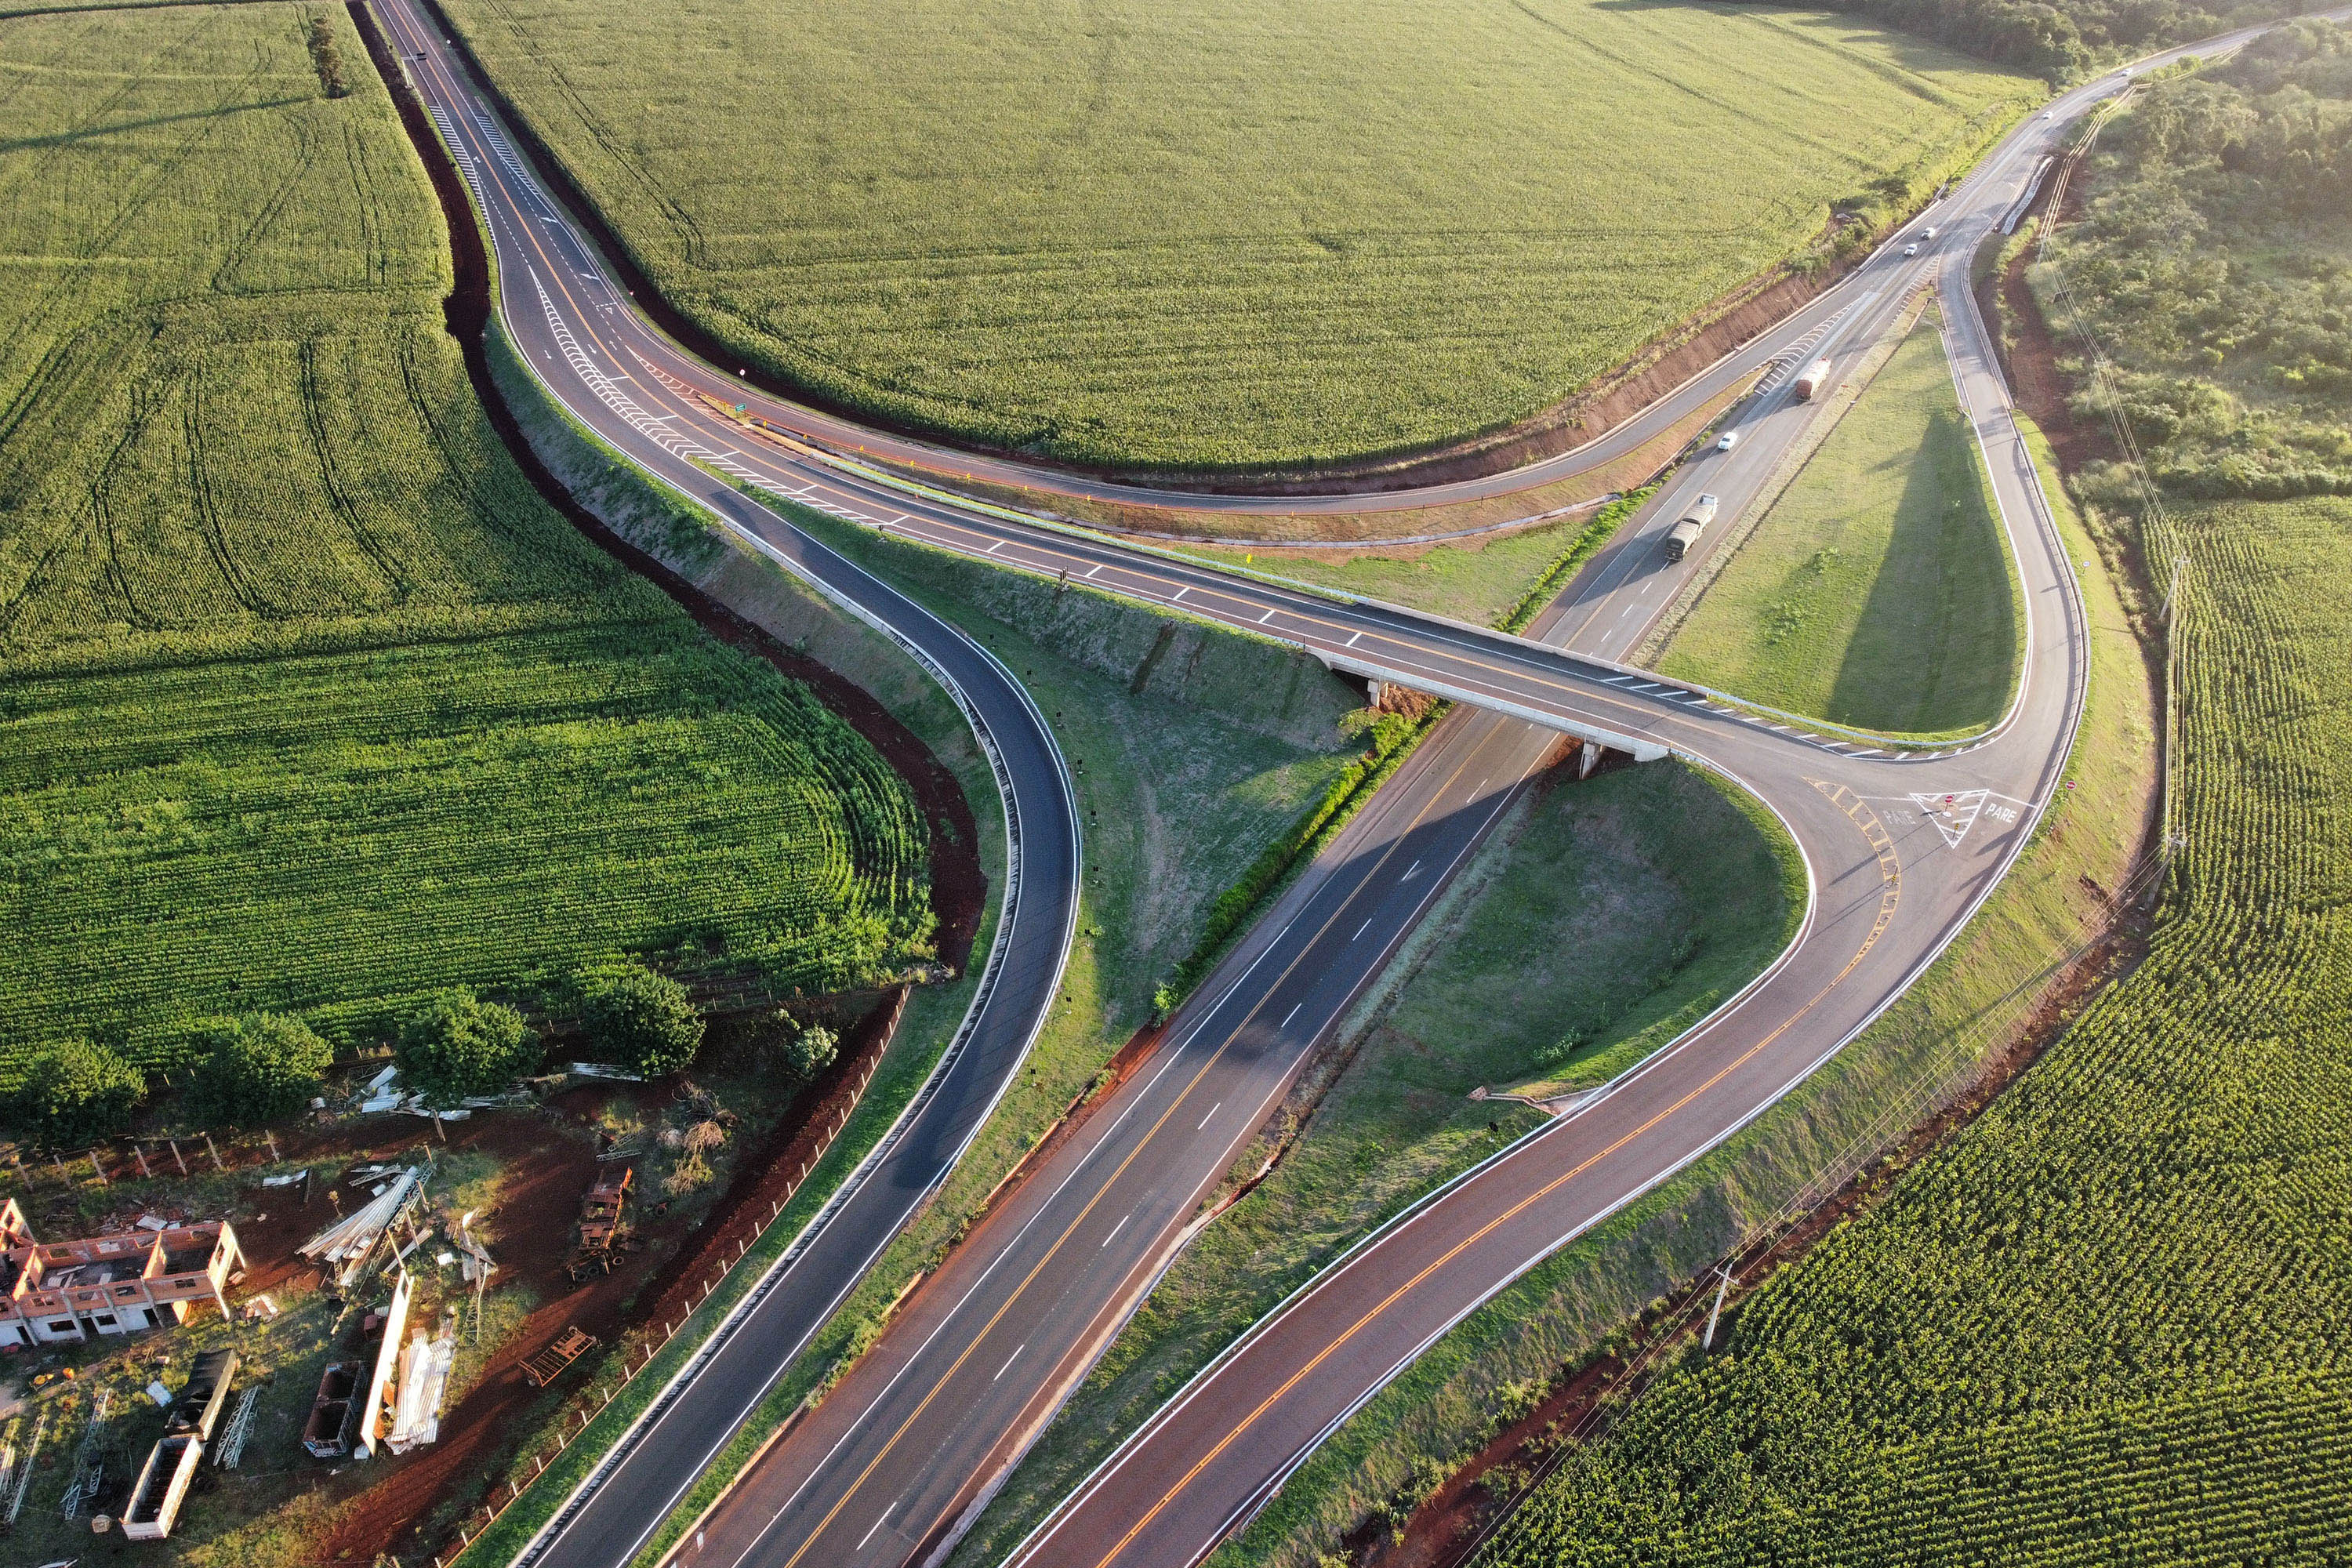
2163	612
1720	1291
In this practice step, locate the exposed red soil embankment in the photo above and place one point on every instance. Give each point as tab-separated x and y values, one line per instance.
958	886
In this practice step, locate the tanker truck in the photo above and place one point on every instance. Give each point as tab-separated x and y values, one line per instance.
1684	533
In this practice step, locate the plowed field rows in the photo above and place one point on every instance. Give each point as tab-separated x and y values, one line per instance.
306	700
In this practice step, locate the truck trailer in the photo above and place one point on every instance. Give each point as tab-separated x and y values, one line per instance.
162	1486
1815	376
1684	532
198	1407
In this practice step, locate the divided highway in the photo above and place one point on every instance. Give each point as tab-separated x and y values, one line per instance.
1901	847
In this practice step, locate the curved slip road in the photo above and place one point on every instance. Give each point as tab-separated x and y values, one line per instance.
1901	849
693	1415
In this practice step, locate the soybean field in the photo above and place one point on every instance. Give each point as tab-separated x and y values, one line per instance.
308	702
1211	234
2108	1322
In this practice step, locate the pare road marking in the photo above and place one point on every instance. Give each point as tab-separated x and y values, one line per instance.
1956	814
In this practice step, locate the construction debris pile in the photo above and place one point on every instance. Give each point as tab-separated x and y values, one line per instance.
393	1402
384	1093
343	1248
422	1381
402	1409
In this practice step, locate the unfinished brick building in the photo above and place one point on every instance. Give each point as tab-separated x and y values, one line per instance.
63	1291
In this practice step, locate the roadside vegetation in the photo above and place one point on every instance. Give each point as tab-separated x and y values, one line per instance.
308	705
2047	1325
2064	39
2105	1322
1581	936
1194	750
1878	590
2213	260
1217	234
1489	1381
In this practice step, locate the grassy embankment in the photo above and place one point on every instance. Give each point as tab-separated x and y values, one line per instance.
1582	935
1964	1010
2107	1324
1193	749
278	615
1878	592
1213	234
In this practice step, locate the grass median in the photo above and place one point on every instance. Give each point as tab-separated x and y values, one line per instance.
1879	591
1577	929
1193	750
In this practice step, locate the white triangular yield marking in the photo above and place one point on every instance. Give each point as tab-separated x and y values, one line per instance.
1953	814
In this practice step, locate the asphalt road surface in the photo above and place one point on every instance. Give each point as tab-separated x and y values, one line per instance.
1900	847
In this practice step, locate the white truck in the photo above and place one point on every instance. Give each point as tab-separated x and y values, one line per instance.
1684	533
1816	376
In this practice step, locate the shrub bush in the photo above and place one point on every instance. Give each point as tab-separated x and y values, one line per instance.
256	1069
812	1051
73	1092
457	1044
641	1020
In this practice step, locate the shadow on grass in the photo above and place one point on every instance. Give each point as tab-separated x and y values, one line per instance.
1935	649
95	133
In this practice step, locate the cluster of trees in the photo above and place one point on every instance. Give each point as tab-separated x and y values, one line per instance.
2214	261
263	1066
2066	39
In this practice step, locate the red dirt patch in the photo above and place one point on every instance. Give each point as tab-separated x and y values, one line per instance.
550	1159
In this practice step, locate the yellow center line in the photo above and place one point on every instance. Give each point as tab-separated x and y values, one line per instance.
1886	903
1102	1190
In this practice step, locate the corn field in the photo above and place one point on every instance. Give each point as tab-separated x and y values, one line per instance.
1219	233
308	702
2110	1322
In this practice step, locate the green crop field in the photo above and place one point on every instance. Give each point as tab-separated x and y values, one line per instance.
1878	590
306	700
1211	233
2109	1323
